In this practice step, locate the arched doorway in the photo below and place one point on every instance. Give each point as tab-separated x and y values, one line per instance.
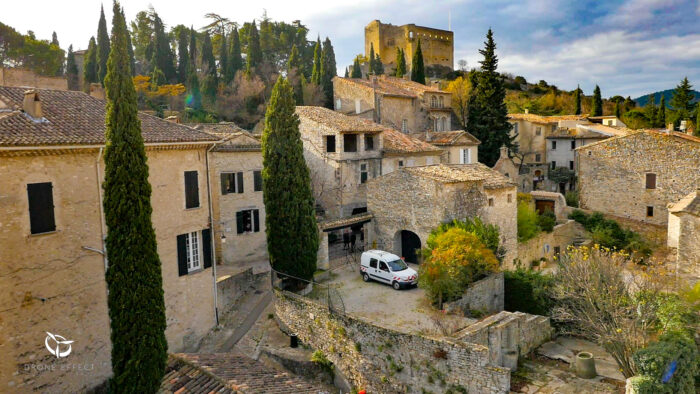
410	244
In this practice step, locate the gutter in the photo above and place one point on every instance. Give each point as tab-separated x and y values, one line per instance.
213	244
98	146
102	216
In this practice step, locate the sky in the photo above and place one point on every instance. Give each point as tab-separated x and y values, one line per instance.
628	47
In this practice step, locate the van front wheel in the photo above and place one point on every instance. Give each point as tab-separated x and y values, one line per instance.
396	285
365	277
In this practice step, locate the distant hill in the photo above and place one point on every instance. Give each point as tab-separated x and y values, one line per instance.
642	100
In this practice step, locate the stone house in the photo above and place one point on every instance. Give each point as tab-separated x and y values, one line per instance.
410	202
404	105
52	232
684	232
459	146
237	198
401	150
635	176
437	45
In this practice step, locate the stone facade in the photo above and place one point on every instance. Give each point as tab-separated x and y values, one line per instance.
437	45
26	78
637	175
413	200
684	233
382	360
54	282
485	296
547	245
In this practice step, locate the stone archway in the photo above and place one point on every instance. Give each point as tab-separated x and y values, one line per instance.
407	243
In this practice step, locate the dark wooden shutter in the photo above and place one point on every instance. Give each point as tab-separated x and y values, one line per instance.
41	214
256	220
182	254
651	181
239	187
224	186
239	222
206	247
257	181
191	189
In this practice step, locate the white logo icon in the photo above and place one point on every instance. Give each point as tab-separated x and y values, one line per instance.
58	340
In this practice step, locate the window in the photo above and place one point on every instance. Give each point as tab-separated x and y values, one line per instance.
193	251
41	215
465	156
350	143
338	104
557	250
571	164
257	181
441	102
507	175
358	106
538	157
248	221
515	128
369	142
383	266
363	173
650	211
554	164
554	145
554	128
573	144
443	124
510	197
404	125
651	181
330	143
491	202
191	190
400	163
373	263
538	131
433	101
231	182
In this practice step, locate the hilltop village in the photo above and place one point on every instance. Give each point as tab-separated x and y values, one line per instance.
500	230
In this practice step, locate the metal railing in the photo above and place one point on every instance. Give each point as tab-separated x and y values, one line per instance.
310	289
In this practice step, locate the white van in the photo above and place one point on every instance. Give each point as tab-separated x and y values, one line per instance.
387	268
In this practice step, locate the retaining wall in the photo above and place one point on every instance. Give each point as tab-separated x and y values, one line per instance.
485	296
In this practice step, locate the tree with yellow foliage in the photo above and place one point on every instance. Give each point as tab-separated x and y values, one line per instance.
461	89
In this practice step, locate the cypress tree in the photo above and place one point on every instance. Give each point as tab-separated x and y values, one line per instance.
294	75
224	69
134	280
347	74
328	71
235	58
292	235
183	56
661	113
597	104
71	70
650	109
682	100
400	63
370	69
162	53
253	58
378	66
617	110
102	47
417	67
194	95
90	65
193	48
488	115
316	71
130	49
356	70
697	120
54	39
210	82
577	97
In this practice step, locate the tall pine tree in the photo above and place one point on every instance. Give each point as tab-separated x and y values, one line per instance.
400	63
71	70
661	113
417	67
682	100
253	60
597	103
292	235
577	101
102	47
316	71
328	72
134	279
235	59
294	75
183	56
90	66
488	115
210	81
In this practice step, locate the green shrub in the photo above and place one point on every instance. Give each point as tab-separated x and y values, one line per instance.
571	198
608	233
527	291
527	222
320	359
547	220
644	385
672	364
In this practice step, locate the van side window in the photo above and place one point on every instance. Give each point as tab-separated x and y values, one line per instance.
382	266
373	263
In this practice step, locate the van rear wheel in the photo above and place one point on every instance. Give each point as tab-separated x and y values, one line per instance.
365	277
396	285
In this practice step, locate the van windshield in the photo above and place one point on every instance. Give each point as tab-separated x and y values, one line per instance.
397	265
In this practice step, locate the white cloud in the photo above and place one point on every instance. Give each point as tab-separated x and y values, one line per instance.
635	12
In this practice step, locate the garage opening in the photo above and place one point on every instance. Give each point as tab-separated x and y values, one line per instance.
410	244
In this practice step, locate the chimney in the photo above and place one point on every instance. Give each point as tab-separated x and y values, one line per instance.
504	152
527	111
97	91
32	104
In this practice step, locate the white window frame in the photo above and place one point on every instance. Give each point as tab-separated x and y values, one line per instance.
404	126
358	106
338	104
465	156
194	254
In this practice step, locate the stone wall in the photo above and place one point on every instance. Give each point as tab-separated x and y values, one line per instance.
390	162
689	244
612	174
504	214
382	360
393	110
21	78
485	296
349	94
544	244
437	45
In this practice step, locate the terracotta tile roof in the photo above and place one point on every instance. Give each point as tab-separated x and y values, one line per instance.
338	121
458	173
228	373
398	142
447	138
220	129
689	204
392	86
75	118
541	194
334	224
239	142
545	119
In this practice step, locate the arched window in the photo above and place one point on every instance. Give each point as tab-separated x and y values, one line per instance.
442	102
443	124
435	124
433	101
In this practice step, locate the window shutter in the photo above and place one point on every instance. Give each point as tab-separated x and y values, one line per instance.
206	247
239	180
651	181
257	181
239	222
223	184
191	189
256	220
182	254
468	155
41	213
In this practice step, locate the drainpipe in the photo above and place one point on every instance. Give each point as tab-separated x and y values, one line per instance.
213	244
102	215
